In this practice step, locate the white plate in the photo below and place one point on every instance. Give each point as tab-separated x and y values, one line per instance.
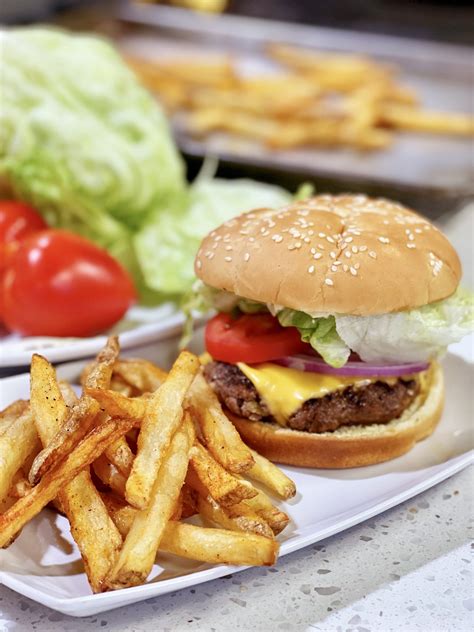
140	326
44	564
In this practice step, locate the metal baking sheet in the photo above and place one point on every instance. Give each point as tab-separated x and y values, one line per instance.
440	74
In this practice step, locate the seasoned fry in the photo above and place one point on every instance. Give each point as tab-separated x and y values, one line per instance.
243	519
82	417
11	413
17	442
89	449
263	506
92	528
218	432
218	546
141	545
142	375
266	472
121	456
117	405
109	475
163	415
225	488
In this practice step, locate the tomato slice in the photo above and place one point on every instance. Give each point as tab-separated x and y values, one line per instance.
17	221
251	338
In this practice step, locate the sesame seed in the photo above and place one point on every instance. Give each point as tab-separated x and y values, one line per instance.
353	271
218	238
252	239
411	245
321	247
228	248
345	267
298	244
384	240
332	255
313	251
362	248
307	240
348	253
322	235
372	254
356	266
311	269
333	268
277	238
354	249
348	240
337	263
246	256
418	230
330	240
244	232
317	255
227	258
411	236
329	281
310	232
199	264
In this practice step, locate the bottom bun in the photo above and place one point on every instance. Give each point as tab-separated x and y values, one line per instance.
350	446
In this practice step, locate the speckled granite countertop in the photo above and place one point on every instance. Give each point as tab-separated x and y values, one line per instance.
408	569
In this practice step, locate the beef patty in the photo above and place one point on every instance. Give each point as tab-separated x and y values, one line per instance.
378	402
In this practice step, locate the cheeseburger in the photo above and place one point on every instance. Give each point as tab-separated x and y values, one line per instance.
332	313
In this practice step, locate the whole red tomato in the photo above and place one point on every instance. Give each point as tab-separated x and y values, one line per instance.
17	221
60	284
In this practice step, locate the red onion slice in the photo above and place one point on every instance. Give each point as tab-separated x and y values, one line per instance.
313	364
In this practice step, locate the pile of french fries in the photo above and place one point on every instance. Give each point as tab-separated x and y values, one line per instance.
313	99
128	460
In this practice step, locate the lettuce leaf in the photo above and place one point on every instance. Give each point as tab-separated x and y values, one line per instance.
320	333
167	244
415	335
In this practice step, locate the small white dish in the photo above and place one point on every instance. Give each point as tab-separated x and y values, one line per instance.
141	325
44	563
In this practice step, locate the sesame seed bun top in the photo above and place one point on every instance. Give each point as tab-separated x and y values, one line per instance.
345	254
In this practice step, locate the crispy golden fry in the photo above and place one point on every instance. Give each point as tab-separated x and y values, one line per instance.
218	432
408	118
17	442
218	546
11	413
92	528
142	375
243	519
117	405
88	450
266	472
210	119
117	384
263	506
121	456
82	417
163	415
109	475
225	488
141	545
68	393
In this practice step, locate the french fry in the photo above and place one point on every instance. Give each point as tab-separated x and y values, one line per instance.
224	488
163	415
218	432
218	546
82	417
141	544
263	506
121	456
409	118
11	413
17	442
92	528
265	472
108	474
243	519
118	405
142	375
89	449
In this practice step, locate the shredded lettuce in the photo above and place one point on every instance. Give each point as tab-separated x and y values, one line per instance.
416	335
91	149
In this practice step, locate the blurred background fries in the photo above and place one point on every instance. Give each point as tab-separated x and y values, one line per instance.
127	461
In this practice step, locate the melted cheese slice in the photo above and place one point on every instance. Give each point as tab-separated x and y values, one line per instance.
285	390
